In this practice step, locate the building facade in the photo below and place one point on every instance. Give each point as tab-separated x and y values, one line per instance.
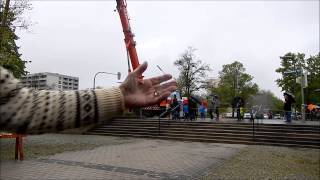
212	82
51	81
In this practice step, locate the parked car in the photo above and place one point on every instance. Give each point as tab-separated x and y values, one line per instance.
277	116
265	116
228	115
246	115
259	116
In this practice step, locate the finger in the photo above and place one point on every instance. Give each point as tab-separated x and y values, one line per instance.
166	92
160	79
140	69
169	89
163	95
165	85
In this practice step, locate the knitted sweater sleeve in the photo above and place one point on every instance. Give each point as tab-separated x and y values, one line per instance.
24	110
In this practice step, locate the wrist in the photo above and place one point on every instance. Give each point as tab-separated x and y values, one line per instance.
123	95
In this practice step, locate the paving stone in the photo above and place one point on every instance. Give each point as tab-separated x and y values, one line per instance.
142	159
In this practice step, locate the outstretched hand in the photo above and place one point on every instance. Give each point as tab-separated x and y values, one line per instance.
145	92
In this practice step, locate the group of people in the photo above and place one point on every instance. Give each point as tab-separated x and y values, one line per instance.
312	113
192	108
188	109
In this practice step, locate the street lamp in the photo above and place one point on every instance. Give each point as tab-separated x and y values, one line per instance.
94	79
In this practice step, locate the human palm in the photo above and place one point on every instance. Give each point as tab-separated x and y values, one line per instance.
140	92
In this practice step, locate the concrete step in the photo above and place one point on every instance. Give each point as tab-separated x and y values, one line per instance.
215	122
211	128
239	133
291	126
248	142
295	136
236	128
285	139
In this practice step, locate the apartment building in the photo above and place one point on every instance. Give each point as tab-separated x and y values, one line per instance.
52	81
212	82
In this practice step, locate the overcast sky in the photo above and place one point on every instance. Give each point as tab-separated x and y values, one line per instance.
80	38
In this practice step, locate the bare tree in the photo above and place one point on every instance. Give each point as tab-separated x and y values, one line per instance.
192	72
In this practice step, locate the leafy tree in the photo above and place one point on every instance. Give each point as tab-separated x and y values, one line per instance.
313	68
10	58
192	72
234	81
291	65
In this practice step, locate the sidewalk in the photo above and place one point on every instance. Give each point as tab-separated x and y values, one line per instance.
143	159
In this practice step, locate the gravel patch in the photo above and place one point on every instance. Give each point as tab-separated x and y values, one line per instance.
270	162
35	146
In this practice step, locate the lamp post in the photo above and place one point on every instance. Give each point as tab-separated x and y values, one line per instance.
94	79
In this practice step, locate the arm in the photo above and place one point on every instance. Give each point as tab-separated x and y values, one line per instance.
30	111
25	110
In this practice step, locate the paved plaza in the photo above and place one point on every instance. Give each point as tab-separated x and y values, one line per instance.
140	159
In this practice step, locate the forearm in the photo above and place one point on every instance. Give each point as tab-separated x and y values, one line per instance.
29	111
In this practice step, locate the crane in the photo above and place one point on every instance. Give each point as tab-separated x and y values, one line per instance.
128	35
132	53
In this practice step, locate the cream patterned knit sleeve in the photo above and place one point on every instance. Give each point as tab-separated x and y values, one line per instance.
24	110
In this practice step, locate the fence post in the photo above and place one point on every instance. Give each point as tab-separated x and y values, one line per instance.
253	136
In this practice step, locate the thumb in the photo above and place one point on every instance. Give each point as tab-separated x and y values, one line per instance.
140	69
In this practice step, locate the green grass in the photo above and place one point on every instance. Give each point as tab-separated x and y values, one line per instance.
266	162
43	145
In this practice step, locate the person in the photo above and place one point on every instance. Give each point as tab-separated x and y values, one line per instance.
270	114
216	106
185	110
29	111
238	106
311	109
192	109
211	108
288	100
202	111
241	113
174	108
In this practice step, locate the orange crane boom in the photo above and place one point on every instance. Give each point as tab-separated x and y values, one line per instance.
128	35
